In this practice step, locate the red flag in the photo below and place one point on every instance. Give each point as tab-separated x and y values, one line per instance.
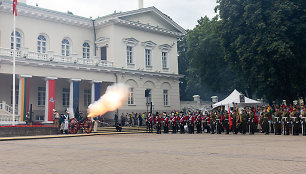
255	116
15	7
51	99
229	118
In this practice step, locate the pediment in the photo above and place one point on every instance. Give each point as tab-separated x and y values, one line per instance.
152	19
165	47
149	44
150	16
102	40
130	41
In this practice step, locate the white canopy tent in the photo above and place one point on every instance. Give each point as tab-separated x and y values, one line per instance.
236	97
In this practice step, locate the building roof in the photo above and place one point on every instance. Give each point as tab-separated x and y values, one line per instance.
68	18
153	10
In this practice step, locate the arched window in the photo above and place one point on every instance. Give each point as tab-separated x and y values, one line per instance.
65	47
86	50
41	44
18	40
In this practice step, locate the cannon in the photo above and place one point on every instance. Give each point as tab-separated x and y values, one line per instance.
75	125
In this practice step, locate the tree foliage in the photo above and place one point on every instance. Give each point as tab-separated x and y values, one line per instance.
264	40
255	46
207	72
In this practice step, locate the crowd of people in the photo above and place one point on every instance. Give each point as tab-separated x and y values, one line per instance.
278	119
133	119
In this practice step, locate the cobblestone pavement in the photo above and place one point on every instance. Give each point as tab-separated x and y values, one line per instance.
151	153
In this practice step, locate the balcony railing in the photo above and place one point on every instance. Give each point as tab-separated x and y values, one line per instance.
6	116
51	57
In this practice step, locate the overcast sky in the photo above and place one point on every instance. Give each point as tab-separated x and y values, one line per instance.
184	12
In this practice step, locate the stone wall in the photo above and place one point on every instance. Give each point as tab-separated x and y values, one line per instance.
26	131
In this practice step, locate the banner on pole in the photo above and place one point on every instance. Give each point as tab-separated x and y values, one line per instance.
15	7
51	99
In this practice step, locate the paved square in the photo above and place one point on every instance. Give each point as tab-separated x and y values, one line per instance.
151	153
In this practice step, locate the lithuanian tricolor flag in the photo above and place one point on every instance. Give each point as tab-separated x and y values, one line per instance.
25	86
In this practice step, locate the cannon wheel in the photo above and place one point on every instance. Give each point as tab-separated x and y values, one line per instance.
88	125
73	126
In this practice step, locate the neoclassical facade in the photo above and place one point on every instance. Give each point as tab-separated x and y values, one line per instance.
67	61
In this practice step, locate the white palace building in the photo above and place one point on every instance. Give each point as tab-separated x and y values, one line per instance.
67	61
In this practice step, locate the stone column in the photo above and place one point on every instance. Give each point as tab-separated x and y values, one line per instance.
49	99
74	96
95	90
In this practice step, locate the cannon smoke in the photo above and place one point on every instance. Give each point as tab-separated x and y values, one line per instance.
113	98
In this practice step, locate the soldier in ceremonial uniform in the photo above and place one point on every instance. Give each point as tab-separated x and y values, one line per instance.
265	122
212	123
286	120
295	122
199	123
206	123
277	125
182	124
226	123
218	123
239	122
234	120
150	123
271	119
173	124
177	118
303	113
158	124
66	121
251	122
56	118
166	123
244	122
61	123
191	124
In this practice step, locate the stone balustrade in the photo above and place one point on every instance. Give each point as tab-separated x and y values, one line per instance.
51	57
6	116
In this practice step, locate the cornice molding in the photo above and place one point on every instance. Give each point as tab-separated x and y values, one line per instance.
48	15
59	65
146	27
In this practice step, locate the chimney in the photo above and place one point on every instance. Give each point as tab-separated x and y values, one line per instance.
140	4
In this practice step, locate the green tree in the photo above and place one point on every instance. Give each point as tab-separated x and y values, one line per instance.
264	42
207	71
182	66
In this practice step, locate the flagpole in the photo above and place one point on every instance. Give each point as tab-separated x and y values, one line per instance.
14	56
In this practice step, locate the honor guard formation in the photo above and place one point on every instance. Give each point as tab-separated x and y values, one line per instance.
276	119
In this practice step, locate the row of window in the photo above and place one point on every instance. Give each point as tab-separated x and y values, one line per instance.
148	57
42	45
66	50
41	96
131	99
